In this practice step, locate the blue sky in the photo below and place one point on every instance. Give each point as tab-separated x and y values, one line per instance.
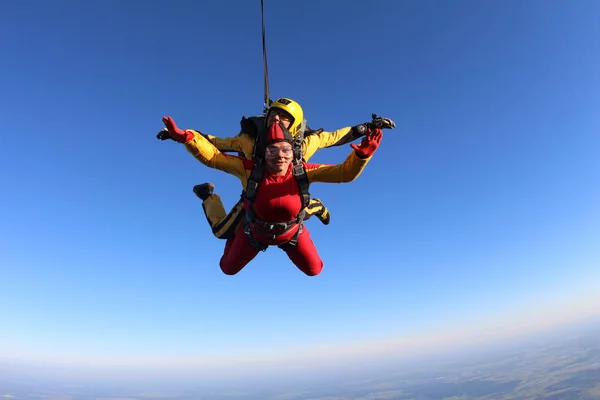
483	202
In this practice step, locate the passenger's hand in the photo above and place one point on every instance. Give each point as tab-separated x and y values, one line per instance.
177	134
369	144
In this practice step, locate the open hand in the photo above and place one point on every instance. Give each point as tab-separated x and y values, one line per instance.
369	144
176	134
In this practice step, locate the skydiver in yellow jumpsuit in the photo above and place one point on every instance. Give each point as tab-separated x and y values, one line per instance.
224	224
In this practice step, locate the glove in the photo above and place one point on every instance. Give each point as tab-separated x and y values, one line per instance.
369	144
376	123
164	134
380	123
176	134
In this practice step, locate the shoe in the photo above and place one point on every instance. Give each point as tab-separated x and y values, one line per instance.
204	190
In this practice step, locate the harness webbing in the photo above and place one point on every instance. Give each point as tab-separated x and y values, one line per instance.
299	173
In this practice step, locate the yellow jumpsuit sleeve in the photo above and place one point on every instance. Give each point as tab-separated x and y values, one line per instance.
312	143
242	143
348	171
205	152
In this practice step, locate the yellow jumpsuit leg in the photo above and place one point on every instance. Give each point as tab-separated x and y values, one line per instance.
223	225
316	207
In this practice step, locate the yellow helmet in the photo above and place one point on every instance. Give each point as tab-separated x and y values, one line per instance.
294	109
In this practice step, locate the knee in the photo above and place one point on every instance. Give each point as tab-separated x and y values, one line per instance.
229	268
228	271
313	268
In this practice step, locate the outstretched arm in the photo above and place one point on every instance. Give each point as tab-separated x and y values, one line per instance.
205	152
241	143
352	167
323	139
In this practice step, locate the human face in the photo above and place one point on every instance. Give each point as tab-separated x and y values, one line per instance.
278	157
277	115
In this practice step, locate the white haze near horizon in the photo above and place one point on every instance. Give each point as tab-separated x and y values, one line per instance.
345	360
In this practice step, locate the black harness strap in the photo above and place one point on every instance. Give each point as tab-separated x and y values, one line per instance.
271	229
250	195
299	171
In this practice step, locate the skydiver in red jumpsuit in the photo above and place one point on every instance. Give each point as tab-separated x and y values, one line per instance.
278	200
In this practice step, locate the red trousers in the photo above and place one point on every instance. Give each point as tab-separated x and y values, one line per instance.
238	253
